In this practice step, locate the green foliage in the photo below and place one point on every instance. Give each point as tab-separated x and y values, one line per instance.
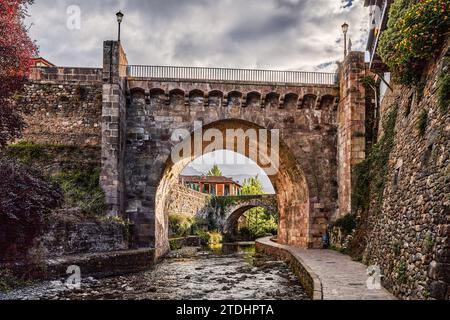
180	225
82	190
252	186
429	243
28	152
421	124
370	174
221	202
8	281
209	237
401	271
259	223
215	172
444	91
396	247
346	223
368	82
175	244
415	32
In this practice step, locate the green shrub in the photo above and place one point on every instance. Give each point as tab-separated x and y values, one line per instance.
370	174
8	281
81	189
396	247
28	152
180	225
209	237
175	244
414	34
346	223
401	271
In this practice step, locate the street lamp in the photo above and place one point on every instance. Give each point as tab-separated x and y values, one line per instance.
119	16
345	30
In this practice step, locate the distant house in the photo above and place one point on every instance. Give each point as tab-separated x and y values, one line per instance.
41	62
218	186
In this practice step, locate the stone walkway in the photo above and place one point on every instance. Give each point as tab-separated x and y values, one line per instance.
340	276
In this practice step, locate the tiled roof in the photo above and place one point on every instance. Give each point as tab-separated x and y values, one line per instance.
208	179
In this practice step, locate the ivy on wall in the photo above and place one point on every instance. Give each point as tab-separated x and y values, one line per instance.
370	174
414	35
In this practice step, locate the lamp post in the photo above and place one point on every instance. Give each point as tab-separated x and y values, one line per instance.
345	30
119	16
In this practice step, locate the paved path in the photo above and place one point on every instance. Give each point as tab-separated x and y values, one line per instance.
340	276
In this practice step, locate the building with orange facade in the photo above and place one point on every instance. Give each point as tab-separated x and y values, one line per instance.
218	186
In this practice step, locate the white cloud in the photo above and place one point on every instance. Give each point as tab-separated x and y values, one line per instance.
278	34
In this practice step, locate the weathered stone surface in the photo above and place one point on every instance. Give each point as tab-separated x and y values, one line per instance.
409	237
63	106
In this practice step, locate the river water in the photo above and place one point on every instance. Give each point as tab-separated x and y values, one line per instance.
231	272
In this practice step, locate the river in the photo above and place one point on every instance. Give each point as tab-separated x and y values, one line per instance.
232	272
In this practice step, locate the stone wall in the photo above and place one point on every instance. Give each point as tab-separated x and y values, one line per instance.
67	235
187	202
62	106
351	128
409	237
113	128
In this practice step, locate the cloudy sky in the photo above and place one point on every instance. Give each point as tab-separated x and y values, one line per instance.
275	34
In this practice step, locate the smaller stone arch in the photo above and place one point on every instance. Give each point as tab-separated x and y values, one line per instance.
242	204
309	101
253	99
291	101
234	99
177	98
272	100
215	98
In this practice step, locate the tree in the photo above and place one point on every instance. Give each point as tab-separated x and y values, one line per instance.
252	187
215	172
258	221
16	52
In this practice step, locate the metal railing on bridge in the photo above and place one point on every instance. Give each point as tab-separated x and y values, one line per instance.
224	74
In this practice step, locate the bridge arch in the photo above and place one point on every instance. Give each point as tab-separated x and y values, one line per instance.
242	205
289	181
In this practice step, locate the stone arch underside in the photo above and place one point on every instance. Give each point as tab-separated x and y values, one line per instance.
289	182
306	184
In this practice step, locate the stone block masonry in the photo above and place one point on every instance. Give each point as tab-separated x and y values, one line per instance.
62	106
409	236
113	126
352	128
187	202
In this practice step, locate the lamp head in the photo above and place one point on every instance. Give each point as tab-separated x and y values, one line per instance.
119	16
345	27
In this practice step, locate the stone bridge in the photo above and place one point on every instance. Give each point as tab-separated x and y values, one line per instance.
144	106
241	204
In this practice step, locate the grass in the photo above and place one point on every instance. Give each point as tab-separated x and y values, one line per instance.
82	190
28	152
